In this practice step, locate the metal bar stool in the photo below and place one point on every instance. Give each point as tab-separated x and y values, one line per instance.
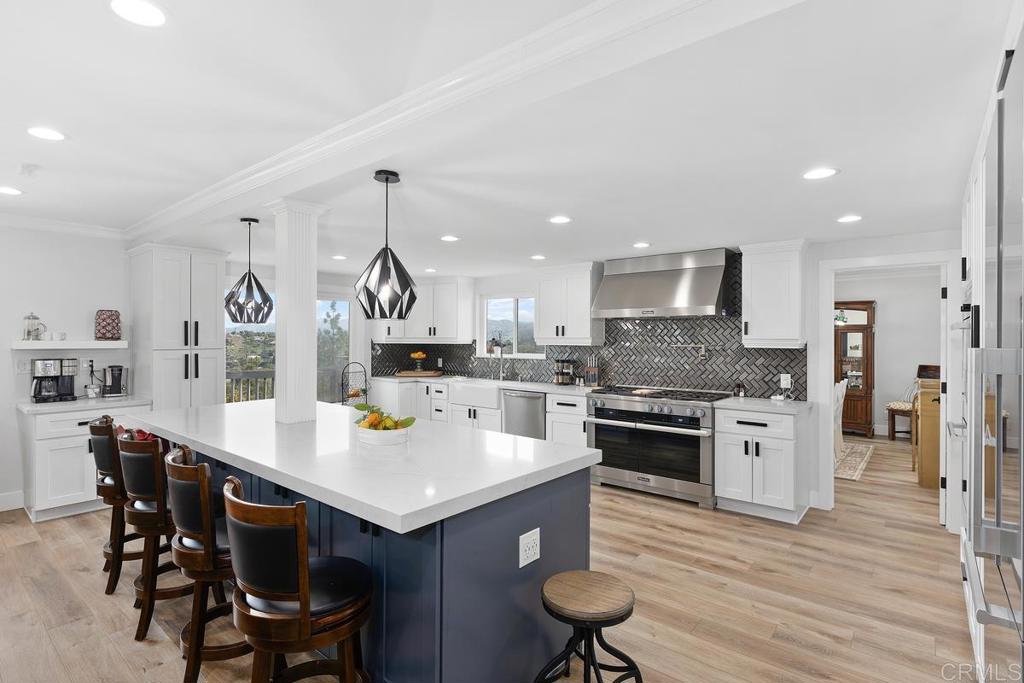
146	486
110	487
589	602
287	602
200	548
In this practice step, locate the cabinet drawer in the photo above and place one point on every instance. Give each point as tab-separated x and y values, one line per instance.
439	391
439	410
567	404
53	425
754	423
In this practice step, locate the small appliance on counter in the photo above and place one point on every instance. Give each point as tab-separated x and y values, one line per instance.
115	381
565	372
53	379
34	328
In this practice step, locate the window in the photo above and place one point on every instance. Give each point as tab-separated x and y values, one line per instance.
249	350
509	324
332	348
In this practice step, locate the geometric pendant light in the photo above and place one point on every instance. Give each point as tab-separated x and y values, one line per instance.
385	290
248	301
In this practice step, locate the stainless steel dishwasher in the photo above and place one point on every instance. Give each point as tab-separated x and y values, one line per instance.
523	413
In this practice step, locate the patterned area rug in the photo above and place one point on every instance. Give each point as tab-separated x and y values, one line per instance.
853	461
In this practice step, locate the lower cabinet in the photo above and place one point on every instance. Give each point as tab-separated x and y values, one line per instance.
566	428
756	460
477	418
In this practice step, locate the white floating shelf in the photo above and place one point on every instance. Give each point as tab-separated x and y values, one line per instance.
67	345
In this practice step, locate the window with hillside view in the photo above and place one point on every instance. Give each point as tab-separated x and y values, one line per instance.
249	351
510	324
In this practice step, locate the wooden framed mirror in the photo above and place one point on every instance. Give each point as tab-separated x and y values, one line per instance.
854	323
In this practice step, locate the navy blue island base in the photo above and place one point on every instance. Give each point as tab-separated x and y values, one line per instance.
451	604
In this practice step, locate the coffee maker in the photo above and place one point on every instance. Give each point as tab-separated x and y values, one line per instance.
53	379
115	381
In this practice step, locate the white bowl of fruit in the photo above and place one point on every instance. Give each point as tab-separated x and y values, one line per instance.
378	428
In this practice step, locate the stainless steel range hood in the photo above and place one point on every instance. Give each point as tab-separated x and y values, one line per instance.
667	285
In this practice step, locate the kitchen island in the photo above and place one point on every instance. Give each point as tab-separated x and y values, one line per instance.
438	521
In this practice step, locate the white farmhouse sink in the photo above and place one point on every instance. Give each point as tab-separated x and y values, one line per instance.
475	393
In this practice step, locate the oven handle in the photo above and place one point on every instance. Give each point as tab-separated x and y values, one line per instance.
610	423
673	430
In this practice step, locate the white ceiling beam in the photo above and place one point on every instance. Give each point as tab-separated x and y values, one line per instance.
599	40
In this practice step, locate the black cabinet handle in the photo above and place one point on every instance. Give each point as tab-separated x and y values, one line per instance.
556	330
426	390
746	447
438	410
196	361
975	327
195	333
748	423
563	330
186	366
83	423
184	325
364	526
389	331
566	404
757	449
474	413
746	328
469	413
376	530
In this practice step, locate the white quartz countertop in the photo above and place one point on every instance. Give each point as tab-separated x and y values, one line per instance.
443	471
764	405
544	387
106	404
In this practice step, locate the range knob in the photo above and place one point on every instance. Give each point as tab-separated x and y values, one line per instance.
691	412
649	408
659	409
600	403
593	402
700	412
668	409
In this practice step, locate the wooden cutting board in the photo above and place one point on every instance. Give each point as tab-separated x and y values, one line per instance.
419	373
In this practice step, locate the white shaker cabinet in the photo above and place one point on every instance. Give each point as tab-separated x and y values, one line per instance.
565	419
764	457
564	301
177	304
477	418
442	314
386	331
772	290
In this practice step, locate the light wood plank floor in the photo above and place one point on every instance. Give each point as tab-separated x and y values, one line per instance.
868	592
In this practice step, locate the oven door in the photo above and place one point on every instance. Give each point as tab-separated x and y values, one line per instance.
617	440
680	453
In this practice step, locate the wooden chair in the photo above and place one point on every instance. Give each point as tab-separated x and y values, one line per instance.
589	602
146	509
287	602
898	409
110	487
200	549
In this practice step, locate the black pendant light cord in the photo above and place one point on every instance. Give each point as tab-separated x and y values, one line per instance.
387	203
250	246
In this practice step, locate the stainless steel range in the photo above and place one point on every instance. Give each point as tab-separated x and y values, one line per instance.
655	439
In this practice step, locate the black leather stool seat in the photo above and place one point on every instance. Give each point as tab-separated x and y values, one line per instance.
220	529
334	582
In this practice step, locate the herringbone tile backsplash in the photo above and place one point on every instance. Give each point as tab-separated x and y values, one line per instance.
640	352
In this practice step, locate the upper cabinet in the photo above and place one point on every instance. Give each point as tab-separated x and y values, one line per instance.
773	295
442	314
564	300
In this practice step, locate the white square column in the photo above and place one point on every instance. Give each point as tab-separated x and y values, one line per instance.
295	239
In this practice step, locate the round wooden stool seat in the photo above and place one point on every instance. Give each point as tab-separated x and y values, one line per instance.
587	596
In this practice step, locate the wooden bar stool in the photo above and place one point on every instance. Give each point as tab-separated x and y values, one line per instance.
110	487
589	602
146	486
200	548
286	601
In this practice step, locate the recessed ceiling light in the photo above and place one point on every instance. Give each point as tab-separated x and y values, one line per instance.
429	270
848	218
449	238
339	257
45	133
139	12
641	245
820	173
8	190
559	220
538	257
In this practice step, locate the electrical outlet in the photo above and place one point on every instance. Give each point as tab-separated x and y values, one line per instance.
786	381
24	367
529	547
440	362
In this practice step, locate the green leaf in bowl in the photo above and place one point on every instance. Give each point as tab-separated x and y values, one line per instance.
365	407
406	422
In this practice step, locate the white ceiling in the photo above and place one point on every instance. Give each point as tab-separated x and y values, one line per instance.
700	147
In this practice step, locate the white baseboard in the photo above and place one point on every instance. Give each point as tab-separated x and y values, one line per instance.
779	515
11	500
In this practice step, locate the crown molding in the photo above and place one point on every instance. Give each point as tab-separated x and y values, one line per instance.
605	37
32	223
284	205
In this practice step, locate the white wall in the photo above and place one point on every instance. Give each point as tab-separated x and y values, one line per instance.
63	278
907	328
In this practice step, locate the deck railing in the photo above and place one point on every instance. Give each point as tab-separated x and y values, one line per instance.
254	385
